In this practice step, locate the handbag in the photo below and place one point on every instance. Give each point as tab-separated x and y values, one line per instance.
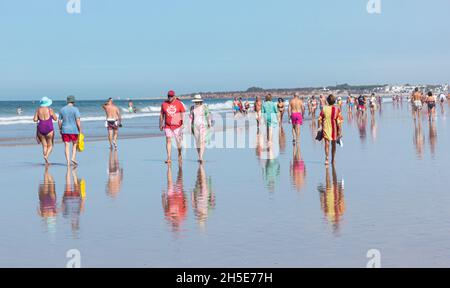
319	136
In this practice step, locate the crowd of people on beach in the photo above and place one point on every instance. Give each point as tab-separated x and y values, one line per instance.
326	110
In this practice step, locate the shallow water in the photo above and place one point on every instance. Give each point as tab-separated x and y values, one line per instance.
246	207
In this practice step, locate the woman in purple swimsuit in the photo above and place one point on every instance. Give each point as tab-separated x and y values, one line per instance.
45	116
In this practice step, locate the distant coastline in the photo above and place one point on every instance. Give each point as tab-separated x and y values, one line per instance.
384	90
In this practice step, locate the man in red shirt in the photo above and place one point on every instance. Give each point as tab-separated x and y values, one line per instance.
171	121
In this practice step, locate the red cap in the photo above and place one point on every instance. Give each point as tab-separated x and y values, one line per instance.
171	93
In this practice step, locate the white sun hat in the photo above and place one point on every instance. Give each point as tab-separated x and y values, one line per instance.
197	98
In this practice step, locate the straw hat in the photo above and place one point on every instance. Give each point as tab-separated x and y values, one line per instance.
197	98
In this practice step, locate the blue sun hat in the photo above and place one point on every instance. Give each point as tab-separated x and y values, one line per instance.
45	102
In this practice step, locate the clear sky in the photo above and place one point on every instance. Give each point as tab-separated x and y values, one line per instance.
142	48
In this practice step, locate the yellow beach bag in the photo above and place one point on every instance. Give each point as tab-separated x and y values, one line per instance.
80	146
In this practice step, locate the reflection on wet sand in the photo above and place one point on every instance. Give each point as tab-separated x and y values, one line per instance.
332	198
362	126
203	197
73	199
282	139
419	138
433	136
313	127
298	171
115	175
47	201
174	200
259	146
271	169
373	127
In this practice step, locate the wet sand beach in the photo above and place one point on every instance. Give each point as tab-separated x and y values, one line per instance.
387	191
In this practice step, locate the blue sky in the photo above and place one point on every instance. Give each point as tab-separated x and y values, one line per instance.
142	48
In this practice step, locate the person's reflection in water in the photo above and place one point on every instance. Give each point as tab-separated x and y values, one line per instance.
418	138
298	171
332	199
271	169
202	197
259	146
47	201
433	136
373	127
282	139
115	175
362	126
73	199
174	200
313	126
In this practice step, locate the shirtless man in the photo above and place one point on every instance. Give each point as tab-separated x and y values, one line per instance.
323	102
416	101
258	107
296	111
113	122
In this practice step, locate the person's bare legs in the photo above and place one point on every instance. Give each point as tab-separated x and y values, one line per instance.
327	151
49	139
333	151
67	152
74	153
294	133
169	150
179	147
297	131
44	144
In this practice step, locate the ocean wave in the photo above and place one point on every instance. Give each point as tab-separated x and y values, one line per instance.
224	106
21	120
148	111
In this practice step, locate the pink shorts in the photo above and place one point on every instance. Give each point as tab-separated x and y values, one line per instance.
177	133
297	118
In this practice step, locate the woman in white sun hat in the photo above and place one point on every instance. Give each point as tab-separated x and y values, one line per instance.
200	123
45	134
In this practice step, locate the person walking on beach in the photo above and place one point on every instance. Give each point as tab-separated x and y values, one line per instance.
442	99
280	106
171	122
113	122
322	102
431	103
70	128
416	101
270	113
258	110
314	104
373	104
330	121
200	123
236	108
45	134
296	111
361	105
